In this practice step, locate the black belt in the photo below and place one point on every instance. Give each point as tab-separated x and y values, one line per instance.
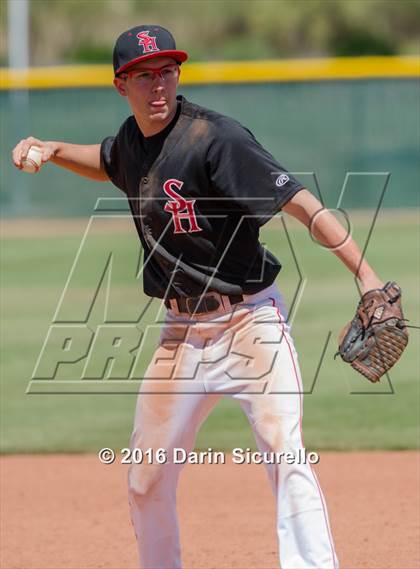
202	304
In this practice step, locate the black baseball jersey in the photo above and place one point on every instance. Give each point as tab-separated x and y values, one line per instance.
199	191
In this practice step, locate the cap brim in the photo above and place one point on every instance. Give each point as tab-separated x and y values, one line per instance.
178	55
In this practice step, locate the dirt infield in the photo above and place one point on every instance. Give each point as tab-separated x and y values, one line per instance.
71	512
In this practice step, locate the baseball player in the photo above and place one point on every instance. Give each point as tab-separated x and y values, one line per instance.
200	186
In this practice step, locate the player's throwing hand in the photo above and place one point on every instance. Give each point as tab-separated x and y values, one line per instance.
20	151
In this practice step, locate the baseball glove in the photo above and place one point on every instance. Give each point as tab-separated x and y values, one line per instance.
377	336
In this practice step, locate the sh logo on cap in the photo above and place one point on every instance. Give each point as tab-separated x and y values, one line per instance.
146	42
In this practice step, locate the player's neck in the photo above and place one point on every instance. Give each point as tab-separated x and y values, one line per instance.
150	128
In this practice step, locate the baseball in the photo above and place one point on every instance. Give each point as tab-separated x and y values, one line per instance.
33	161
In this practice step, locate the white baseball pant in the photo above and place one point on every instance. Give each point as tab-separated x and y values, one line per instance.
245	352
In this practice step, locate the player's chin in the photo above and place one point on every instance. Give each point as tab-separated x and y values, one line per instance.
159	113
158	117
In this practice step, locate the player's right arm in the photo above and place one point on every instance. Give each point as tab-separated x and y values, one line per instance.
82	159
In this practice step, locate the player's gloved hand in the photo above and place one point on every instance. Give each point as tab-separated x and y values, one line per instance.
21	150
377	336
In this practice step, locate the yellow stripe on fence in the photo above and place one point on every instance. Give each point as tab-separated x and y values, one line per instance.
286	70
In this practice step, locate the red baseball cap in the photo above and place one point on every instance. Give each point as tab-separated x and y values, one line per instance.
142	43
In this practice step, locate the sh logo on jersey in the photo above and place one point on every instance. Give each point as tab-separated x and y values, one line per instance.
281	180
146	42
180	208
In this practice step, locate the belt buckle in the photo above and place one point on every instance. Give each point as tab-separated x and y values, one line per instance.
202	304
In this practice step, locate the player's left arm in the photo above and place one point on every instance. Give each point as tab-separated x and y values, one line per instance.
327	230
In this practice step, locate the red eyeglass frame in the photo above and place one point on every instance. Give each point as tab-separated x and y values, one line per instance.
156	71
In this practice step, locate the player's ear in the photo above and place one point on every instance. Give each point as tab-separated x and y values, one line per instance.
120	86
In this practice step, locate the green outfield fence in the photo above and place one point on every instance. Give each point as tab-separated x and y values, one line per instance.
324	117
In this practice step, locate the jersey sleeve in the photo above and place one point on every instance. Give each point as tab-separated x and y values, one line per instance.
242	170
111	161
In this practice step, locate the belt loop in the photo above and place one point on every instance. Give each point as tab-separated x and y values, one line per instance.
174	305
226	303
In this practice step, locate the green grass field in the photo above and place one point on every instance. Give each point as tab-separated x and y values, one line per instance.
342	412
